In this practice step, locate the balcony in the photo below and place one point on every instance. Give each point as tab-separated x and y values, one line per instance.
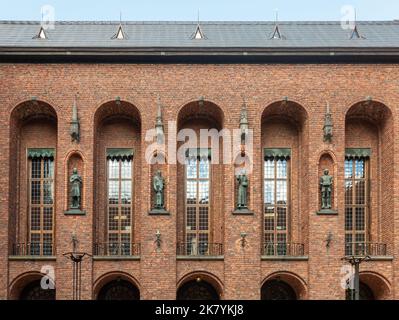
366	249
200	251
283	251
116	250
32	250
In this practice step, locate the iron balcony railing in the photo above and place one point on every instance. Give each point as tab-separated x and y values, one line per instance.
117	249
365	249
33	249
199	249
283	249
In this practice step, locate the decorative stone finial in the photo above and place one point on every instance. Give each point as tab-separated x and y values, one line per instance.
75	126
328	125
159	128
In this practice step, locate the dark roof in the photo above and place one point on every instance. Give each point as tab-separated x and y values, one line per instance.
96	34
224	42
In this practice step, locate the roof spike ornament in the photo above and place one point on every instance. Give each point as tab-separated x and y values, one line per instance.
198	34
159	127
355	32
75	125
276	35
120	34
328	125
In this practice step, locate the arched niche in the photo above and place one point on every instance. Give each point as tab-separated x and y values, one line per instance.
375	286
369	126
75	161
242	165
284	142
158	163
117	137
33	125
196	116
327	162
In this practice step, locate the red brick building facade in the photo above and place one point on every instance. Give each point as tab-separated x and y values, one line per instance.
117	104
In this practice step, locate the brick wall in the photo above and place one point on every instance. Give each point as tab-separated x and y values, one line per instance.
298	125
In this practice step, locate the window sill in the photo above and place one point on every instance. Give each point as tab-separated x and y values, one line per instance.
200	258
116	258
32	258
284	258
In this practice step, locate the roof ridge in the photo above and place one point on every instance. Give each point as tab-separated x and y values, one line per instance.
160	22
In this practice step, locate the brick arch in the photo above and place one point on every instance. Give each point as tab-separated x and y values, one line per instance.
210	112
296	282
21	281
210	278
379	285
373	111
370	124
32	124
105	278
116	109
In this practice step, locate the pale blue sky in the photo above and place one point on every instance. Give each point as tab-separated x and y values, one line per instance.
209	9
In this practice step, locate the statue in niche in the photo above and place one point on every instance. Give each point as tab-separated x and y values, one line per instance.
242	196
326	182
159	186
76	189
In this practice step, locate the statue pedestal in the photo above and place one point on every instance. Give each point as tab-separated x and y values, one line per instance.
75	212
158	212
327	212
243	212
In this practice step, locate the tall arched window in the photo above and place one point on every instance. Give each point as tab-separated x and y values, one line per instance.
276	201
356	201
41	201
197	187
120	186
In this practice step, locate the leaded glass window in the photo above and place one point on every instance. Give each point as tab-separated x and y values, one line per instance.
197	203
276	205
120	188
41	206
356	206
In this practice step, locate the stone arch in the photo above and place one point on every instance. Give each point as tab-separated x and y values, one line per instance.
284	282
209	284
26	286
116	285
370	124
33	124
285	133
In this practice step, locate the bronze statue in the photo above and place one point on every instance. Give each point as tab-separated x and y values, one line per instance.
326	182
159	185
242	180
76	187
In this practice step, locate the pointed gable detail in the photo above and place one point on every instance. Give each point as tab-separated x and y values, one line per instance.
120	34
41	35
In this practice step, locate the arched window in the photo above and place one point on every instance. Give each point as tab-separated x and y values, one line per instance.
120	186
41	201
356	201
276	201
